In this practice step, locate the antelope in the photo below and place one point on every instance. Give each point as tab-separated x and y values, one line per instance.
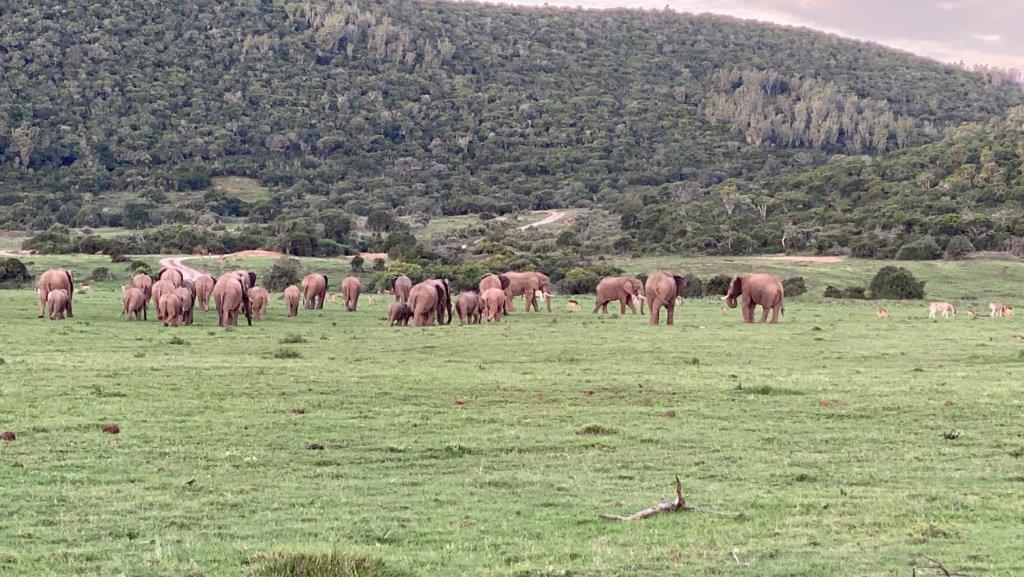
971	314
882	313
573	306
997	309
941	307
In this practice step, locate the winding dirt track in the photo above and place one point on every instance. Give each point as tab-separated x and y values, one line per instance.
555	216
187	272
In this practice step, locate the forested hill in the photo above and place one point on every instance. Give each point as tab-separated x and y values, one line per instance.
433	106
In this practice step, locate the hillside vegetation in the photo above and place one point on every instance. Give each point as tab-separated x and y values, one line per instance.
123	114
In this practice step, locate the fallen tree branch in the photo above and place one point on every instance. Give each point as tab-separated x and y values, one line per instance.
939	568
679	504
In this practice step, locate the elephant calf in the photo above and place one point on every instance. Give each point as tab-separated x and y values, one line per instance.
169	308
258	298
469	307
494	304
399	314
291	300
58	301
134	302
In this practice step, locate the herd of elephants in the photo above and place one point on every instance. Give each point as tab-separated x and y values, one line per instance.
237	294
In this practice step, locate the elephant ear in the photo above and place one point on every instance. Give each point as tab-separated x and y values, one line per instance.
327	282
505	281
391	283
735	289
71	280
252	278
680	284
160	273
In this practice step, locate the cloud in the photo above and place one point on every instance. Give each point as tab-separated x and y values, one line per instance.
987	38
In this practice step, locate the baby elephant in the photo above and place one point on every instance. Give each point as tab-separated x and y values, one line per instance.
169	308
494	304
258	298
58	300
470	308
134	303
399	314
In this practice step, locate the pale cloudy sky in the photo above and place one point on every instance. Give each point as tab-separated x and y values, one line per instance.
974	31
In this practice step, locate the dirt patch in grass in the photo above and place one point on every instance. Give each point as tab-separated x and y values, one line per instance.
8	436
596	430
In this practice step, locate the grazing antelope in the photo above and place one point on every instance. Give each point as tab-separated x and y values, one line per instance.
941	307
573	306
882	313
369	298
971	314
84	289
997	309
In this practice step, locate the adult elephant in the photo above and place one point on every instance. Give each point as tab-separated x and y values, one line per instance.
527	284
491	280
350	286
429	300
161	288
401	285
171	275
625	289
51	280
662	289
753	290
314	290
231	295
204	288
144	283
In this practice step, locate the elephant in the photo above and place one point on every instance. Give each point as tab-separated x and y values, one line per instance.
58	301
494	304
169	308
401	285
144	283
204	288
469	307
188	304
134	301
430	299
291	300
51	280
171	275
527	284
231	295
662	289
258	299
756	289
492	280
350	290
314	290
624	289
399	314
160	288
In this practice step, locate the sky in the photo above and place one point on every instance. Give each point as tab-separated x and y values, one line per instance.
987	32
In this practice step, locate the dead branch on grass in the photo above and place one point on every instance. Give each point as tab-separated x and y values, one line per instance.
677	504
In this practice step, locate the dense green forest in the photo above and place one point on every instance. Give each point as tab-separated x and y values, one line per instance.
683	133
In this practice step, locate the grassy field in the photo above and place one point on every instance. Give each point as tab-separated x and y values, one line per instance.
830	444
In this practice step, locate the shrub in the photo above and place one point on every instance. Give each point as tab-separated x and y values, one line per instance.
794	286
959	247
119	258
100	274
854	292
833	292
578	281
283	272
922	249
694	288
717	285
357	263
379	264
328	248
892	282
13	271
137	266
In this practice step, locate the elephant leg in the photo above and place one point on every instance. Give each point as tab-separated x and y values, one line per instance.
67	310
655	308
670	309
631	305
775	313
597	305
764	313
748	312
622	306
42	305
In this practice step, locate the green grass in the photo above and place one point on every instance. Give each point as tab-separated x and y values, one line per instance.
492	449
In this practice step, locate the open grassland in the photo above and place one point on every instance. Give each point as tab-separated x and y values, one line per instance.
851	446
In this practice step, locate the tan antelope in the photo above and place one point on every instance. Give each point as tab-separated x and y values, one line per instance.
84	289
882	313
997	309
945	308
573	306
971	314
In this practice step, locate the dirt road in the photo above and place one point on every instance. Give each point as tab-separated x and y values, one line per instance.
554	216
187	272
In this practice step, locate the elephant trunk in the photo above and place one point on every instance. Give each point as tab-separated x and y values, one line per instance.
730	301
